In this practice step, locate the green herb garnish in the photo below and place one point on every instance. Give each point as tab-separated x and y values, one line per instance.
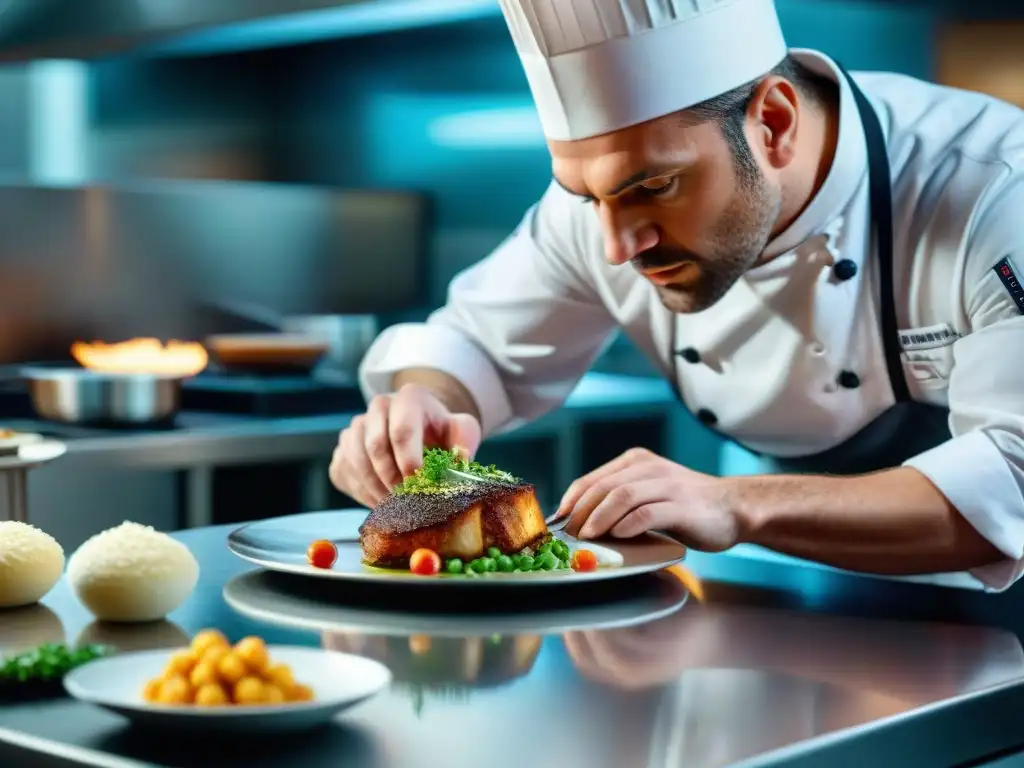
48	662
432	477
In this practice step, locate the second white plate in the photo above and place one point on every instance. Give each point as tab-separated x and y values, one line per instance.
338	680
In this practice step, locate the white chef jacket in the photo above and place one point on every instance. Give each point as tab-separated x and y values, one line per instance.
521	327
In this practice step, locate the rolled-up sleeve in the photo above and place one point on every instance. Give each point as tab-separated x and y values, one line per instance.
981	469
520	327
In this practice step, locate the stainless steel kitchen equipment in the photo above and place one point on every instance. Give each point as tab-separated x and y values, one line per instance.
79	396
181	260
14	475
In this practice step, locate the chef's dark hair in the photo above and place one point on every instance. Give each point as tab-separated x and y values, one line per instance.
730	109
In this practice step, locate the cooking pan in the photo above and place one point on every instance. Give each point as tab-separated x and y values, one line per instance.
79	396
266	353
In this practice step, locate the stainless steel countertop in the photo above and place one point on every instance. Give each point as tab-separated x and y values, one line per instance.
801	670
203	439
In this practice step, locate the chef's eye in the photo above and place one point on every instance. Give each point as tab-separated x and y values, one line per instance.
659	188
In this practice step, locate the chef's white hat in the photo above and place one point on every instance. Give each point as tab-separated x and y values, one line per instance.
596	66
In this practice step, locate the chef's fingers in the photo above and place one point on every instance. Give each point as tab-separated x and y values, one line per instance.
358	462
578	646
345	478
625	494
594	662
652	515
337	469
595	494
581	485
407	421
464	434
378	441
342	477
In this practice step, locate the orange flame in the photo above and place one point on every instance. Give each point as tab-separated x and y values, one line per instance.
145	356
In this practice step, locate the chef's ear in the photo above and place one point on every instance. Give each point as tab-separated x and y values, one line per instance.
774	112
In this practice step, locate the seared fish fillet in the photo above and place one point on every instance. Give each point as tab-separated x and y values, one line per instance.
459	522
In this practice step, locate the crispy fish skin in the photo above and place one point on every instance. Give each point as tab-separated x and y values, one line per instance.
460	522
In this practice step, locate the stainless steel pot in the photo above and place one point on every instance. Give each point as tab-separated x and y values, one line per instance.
79	396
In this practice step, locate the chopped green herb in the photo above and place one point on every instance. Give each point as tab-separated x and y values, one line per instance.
431	477
47	662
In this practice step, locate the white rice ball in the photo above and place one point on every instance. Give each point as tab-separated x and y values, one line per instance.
132	573
31	563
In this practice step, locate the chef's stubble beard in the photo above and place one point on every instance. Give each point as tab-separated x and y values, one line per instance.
738	240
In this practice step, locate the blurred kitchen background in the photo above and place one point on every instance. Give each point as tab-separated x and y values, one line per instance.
184	168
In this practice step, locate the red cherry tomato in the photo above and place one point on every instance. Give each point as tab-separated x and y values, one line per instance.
322	554
584	560
425	562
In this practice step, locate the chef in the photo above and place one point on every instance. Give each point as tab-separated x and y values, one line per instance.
825	265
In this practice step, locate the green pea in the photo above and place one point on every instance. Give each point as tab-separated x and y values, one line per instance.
489	565
561	549
479	565
454	565
505	564
548	561
545	547
493	552
563	565
526	563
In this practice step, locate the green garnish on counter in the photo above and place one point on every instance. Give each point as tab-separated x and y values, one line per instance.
47	663
431	477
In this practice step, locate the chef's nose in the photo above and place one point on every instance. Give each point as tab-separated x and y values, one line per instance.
625	237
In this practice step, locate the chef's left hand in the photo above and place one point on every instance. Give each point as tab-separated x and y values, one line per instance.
641	491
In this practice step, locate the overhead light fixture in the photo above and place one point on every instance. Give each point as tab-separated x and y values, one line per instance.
352	19
506	128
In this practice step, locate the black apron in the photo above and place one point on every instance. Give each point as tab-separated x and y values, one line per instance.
908	427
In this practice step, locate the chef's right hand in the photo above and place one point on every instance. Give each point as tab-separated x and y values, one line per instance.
386	443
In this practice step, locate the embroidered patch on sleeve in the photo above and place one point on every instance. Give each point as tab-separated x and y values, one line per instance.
914	339
1010	281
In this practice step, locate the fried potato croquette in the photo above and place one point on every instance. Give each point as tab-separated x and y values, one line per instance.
250	690
280	675
232	669
151	692
175	690
253	651
214	654
182	663
212	673
272	694
204	674
299	692
207	639
212	695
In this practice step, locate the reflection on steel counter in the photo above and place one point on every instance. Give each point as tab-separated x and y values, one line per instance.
738	682
444	667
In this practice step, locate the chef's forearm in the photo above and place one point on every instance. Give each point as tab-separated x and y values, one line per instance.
892	523
449	390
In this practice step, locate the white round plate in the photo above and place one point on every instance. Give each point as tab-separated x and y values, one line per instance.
280	543
9	446
263	597
338	680
31	454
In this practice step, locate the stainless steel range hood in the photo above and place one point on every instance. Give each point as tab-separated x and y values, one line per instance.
82	29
